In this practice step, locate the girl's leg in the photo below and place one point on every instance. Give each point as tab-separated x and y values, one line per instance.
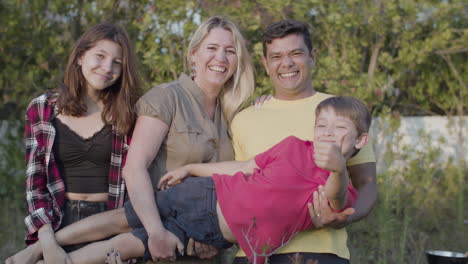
29	255
127	245
93	228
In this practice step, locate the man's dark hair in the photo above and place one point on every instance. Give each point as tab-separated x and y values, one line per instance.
283	28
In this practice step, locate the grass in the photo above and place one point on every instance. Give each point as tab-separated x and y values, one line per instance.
422	206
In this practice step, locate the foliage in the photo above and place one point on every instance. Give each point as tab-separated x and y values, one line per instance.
407	57
422	205
12	198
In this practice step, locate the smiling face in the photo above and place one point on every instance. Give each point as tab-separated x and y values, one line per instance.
288	62
215	59
330	127
101	65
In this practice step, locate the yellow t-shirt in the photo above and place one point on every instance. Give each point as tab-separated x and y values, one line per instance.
255	130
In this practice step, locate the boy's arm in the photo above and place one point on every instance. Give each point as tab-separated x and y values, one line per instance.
363	177
328	156
336	189
205	170
226	167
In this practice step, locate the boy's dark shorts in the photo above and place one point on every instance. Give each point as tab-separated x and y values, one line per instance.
188	210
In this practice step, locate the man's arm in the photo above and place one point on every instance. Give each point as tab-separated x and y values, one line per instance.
363	177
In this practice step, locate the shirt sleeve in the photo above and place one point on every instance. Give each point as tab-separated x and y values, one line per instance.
159	102
365	155
238	151
39	200
265	158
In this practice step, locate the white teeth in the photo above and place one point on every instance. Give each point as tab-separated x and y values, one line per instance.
285	75
217	68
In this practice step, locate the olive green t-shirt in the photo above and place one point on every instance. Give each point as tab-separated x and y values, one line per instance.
192	137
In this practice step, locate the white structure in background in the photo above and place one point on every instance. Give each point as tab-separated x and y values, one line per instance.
451	131
448	134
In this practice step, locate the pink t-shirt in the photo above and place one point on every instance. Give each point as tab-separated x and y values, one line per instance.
264	210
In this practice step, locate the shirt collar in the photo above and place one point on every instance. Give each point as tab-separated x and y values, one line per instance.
188	84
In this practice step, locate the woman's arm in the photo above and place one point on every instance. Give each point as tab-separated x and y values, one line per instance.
38	198
147	138
52	252
40	221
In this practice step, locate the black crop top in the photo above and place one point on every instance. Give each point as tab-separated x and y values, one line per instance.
83	163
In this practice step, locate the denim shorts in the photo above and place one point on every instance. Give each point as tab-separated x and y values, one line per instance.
188	210
75	210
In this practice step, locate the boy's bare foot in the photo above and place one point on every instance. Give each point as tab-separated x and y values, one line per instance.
29	255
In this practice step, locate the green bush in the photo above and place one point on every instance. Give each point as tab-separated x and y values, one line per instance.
12	194
421	206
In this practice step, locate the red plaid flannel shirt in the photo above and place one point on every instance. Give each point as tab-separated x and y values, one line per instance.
45	189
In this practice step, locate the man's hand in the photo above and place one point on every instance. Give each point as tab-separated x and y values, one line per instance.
173	177
327	155
202	251
162	246
323	215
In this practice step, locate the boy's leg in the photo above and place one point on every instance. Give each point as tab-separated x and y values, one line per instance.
127	245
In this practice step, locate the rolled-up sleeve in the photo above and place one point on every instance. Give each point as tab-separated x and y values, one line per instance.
39	200
159	102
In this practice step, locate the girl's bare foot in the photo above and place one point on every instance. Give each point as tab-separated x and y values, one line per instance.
29	255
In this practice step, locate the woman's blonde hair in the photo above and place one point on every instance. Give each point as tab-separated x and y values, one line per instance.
240	86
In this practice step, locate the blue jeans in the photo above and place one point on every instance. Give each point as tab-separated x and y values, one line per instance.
75	210
188	210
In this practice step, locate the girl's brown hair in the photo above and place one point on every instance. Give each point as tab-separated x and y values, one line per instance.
119	98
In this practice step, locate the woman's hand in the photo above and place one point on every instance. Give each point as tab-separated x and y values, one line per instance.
163	245
173	177
51	251
259	101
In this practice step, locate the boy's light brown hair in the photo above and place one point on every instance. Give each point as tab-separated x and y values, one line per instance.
349	107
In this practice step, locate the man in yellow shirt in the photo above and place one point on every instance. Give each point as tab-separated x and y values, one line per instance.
288	58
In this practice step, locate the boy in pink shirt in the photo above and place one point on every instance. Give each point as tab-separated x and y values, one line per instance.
260	204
